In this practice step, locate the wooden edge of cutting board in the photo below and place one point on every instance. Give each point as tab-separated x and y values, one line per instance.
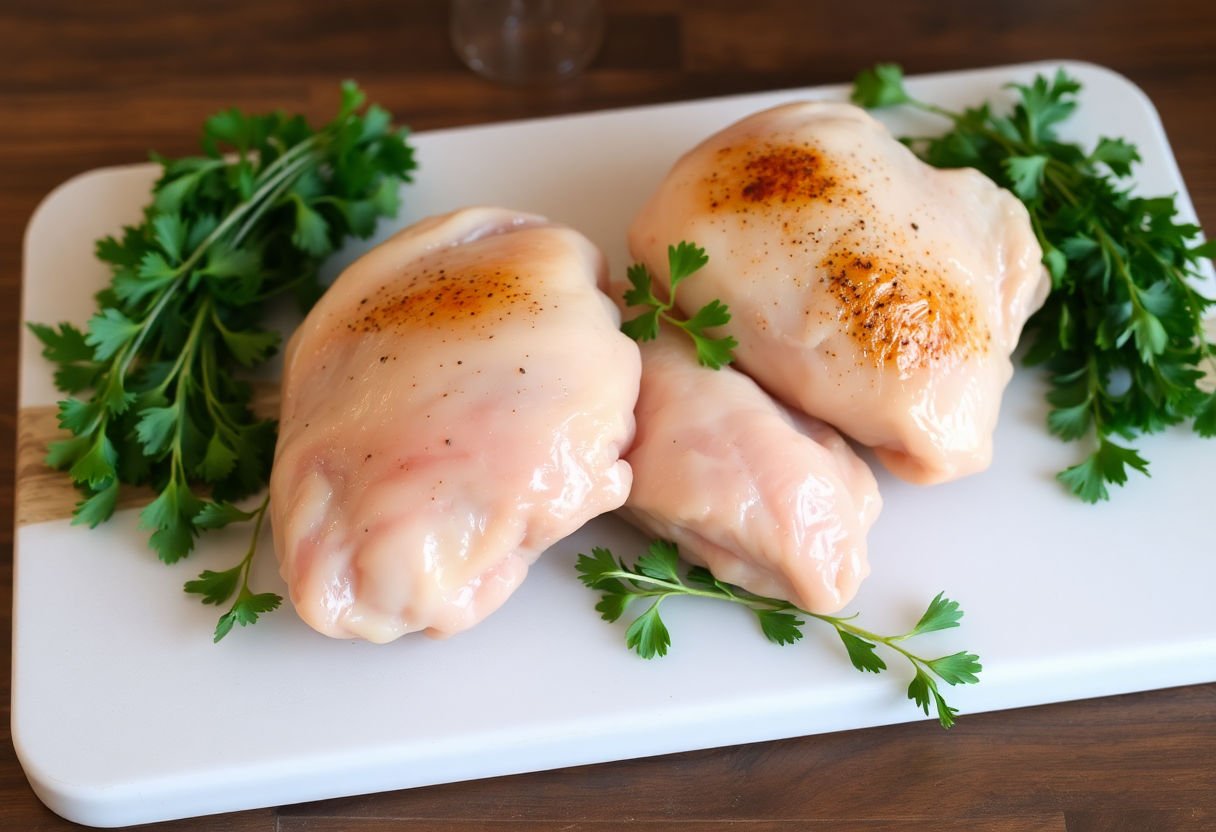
44	493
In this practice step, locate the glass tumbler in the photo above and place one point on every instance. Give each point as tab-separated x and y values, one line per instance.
527	41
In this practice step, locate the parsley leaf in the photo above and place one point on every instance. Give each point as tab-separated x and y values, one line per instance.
218	461
109	332
958	668
170	233
1121	333
660	561
98	507
922	690
683	261
882	86
594	570
642	293
1205	416
66	346
171	516
1025	174
644	327
656	577
942	614
861	653
613	605
648	634
245	612
1108	464
62	453
79	416
216	587
155	428
1116	154
217	515
780	627
95	468
312	231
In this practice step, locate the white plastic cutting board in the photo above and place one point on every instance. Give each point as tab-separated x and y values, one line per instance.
124	712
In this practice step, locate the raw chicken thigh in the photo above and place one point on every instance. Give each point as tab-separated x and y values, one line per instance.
774	502
457	401
868	289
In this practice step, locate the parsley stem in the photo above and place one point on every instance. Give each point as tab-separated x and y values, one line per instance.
925	106
102	418
759	603
1179	279
1119	257
656	575
676	588
1054	174
246	565
188	349
1095	401
287	156
281	183
214	408
123	362
889	641
1044	243
243	210
182	371
285	286
1012	147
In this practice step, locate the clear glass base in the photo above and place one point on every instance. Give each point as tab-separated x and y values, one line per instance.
527	41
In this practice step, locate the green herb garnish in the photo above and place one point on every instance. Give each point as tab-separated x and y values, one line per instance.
218	587
160	362
656	576
1122	331
683	261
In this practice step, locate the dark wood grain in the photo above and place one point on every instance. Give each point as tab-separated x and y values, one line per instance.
84	84
1028	823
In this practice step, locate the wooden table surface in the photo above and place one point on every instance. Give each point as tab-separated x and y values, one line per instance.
85	83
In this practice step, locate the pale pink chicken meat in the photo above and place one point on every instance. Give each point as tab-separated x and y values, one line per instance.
867	288
772	501
458	401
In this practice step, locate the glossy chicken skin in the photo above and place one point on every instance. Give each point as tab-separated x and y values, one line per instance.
457	401
766	499
868	289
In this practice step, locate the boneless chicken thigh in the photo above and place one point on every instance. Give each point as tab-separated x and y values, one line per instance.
867	288
772	501
457	401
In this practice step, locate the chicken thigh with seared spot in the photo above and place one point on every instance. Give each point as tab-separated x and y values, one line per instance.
867	288
458	401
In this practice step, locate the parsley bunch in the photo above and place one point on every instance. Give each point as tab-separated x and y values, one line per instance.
683	261
1122	331
156	395
656	576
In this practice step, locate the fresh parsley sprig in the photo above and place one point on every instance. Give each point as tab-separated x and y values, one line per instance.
656	576
218	587
1122	333
156	393
683	261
